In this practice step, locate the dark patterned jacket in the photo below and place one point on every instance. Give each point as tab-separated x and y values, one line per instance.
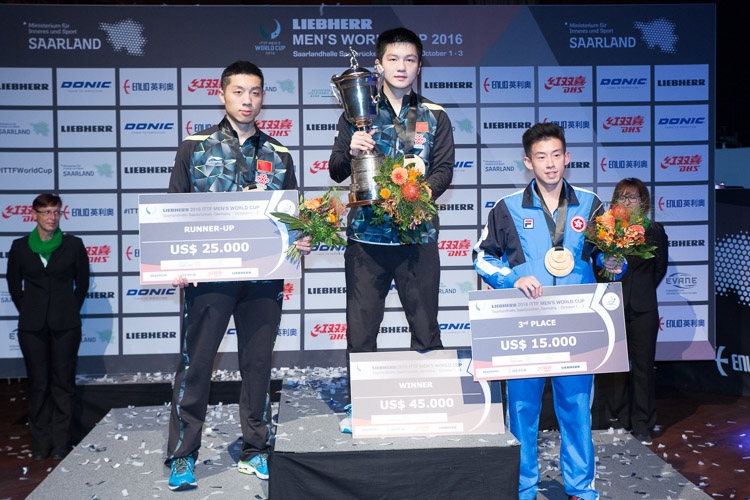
434	146
205	163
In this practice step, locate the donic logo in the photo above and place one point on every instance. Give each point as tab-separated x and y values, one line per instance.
698	120
85	85
149	126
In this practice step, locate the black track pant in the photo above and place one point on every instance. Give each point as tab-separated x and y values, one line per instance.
370	269
208	307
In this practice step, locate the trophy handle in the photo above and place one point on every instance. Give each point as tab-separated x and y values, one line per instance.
335	90
379	89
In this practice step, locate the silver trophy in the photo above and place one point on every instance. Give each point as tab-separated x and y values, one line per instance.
357	91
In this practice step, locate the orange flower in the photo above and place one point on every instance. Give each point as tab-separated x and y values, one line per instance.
410	192
399	175
620	212
312	204
602	235
385	193
624	223
332	217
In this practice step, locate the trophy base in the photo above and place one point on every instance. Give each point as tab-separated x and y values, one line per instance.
364	189
361	199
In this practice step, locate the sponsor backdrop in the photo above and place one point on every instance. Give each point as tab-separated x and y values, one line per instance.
94	101
729	371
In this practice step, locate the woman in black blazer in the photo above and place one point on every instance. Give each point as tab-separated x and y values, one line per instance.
630	397
48	277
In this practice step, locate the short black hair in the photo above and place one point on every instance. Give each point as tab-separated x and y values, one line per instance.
397	35
240	68
46	200
542	132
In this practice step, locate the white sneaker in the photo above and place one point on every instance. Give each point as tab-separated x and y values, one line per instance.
345	426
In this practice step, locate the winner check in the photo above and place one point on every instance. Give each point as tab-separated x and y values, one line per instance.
569	330
215	236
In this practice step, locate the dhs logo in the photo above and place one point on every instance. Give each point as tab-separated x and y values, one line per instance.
26	212
319	166
275	128
334	331
99	254
455	248
626	124
569	84
682	281
23	211
684	163
288	290
211	86
193	128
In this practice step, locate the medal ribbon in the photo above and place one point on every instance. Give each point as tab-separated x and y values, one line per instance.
406	136
556	227
241	166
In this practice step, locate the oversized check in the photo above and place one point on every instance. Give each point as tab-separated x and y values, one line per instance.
569	330
215	236
421	394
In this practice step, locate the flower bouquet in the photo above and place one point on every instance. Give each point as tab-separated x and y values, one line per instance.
620	232
405	199
320	217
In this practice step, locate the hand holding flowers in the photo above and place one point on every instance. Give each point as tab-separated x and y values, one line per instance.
405	199
319	219
620	232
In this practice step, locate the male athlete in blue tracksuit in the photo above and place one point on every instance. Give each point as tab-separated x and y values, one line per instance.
511	253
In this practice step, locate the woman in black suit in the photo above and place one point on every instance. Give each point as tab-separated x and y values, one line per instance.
630	397
48	277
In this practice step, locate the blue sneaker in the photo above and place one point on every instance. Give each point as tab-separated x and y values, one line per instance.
257	465
345	426
182	476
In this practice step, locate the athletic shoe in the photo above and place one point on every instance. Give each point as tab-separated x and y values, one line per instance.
257	465
645	439
345	426
182	476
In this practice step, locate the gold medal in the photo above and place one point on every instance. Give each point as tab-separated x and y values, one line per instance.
416	162
559	261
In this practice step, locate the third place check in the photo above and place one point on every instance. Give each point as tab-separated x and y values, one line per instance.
569	330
